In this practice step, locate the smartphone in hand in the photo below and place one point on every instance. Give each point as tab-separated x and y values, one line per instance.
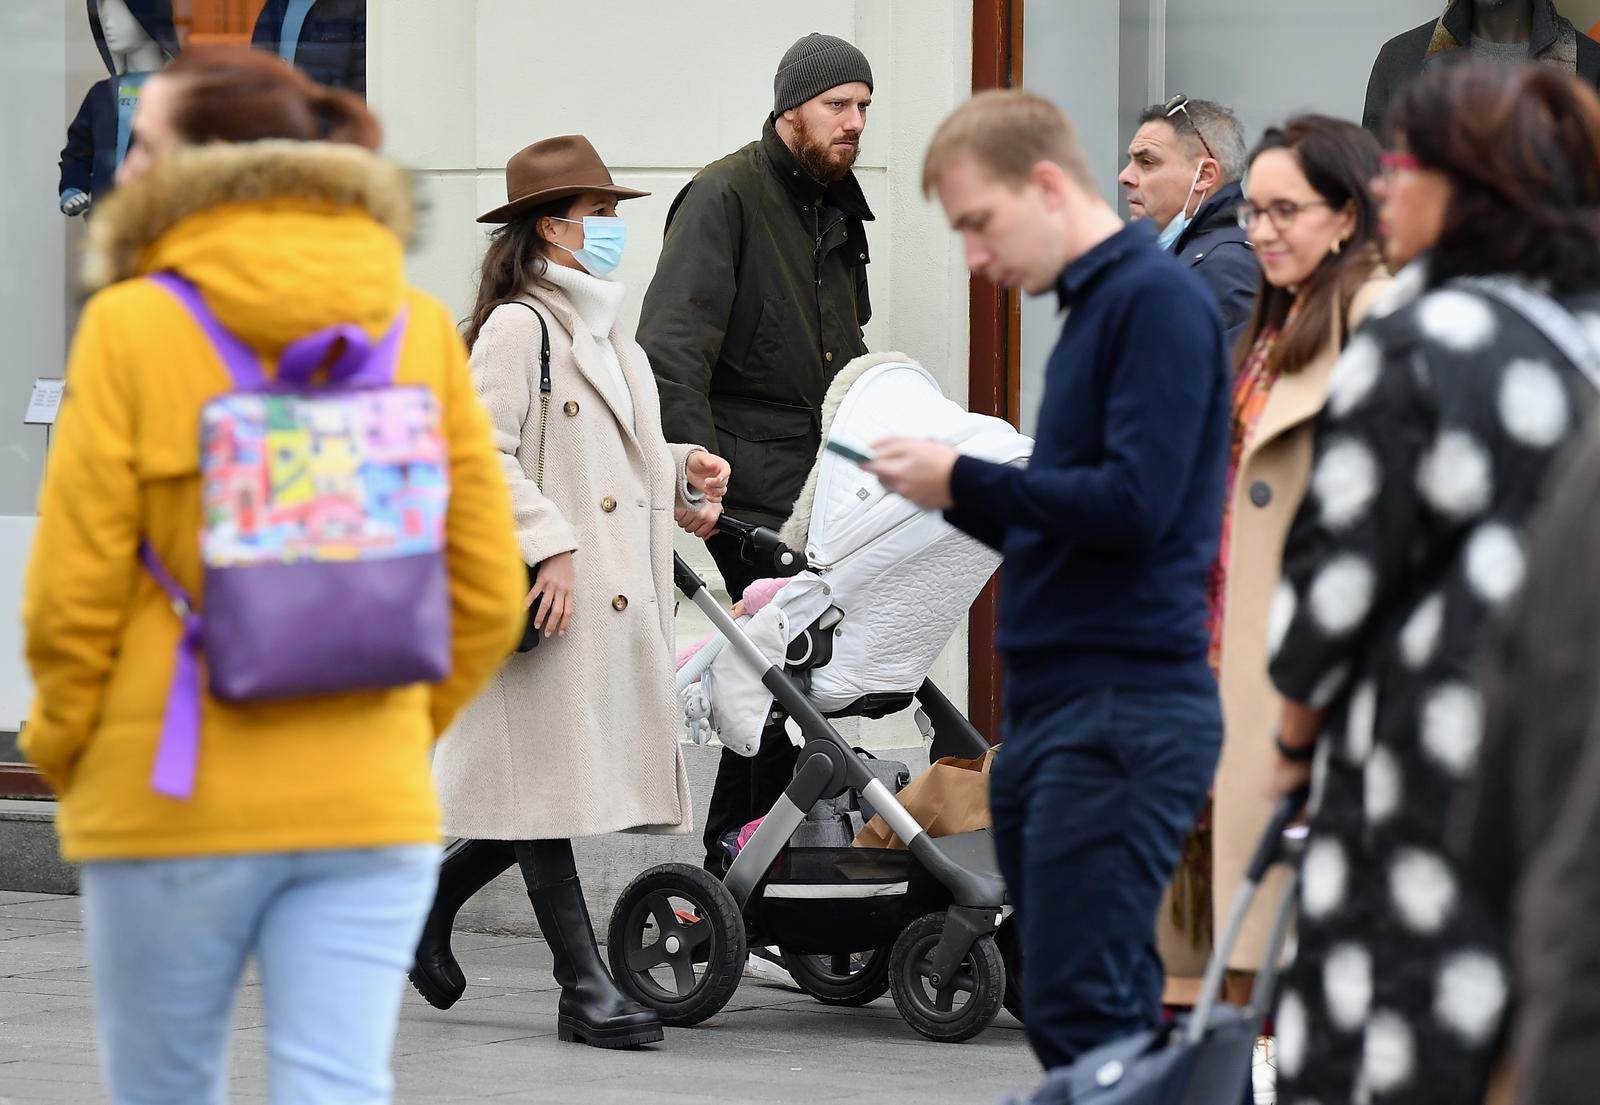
853	453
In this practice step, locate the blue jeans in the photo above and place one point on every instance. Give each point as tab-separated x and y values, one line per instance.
1092	798
332	934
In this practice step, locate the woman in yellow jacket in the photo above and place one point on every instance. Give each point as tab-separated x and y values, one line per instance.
310	839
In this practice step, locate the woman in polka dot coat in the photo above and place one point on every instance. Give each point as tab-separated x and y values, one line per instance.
1444	415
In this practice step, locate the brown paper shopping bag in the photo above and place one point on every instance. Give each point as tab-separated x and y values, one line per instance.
951	797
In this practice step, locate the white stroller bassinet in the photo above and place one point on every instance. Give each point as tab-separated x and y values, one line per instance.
887	582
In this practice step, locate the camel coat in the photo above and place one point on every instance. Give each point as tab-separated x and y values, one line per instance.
1273	472
580	736
1272	477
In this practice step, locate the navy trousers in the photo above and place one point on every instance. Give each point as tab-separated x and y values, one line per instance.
1092	798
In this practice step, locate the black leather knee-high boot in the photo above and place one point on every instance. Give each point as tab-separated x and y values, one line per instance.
468	867
593	1010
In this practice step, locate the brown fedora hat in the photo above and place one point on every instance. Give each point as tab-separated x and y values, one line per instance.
551	169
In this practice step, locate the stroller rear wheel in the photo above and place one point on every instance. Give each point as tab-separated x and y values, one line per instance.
843	978
966	1004
677	943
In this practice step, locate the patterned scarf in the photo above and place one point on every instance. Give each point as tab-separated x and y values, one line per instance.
1252	386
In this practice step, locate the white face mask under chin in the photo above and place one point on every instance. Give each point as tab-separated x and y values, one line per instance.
1180	222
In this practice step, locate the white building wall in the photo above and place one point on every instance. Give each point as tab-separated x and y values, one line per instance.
47	61
660	88
461	85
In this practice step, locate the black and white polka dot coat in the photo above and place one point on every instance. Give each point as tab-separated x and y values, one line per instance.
1444	415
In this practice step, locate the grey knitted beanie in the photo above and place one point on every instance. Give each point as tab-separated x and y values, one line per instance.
812	66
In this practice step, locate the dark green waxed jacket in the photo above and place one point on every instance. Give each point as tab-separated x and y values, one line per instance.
757	302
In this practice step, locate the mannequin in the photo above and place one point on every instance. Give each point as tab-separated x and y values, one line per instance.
136	38
1511	31
326	39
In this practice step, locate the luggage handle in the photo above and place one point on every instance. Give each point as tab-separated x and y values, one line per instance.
1268	852
1270	847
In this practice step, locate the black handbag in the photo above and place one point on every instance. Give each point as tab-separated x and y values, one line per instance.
530	632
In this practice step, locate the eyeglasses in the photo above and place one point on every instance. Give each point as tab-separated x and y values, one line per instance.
1393	161
1281	213
1180	102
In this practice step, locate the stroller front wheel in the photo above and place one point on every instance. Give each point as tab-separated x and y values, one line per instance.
677	943
966	1004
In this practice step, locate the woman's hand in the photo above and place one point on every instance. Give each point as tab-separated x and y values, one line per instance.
551	597
1299	730
1289	775
708	474
701	522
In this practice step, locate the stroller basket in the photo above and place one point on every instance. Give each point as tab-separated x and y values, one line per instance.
831	900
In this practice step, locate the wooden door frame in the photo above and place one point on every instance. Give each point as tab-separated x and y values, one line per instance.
994	351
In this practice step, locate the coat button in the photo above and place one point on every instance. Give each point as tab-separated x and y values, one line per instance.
608	504
620	603
828	357
570	408
1260	493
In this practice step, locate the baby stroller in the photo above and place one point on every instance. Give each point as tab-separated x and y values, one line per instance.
852	635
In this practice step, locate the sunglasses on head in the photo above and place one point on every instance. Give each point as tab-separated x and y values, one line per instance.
1180	102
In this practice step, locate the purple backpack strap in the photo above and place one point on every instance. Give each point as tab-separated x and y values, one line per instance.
356	360
178	753
239	359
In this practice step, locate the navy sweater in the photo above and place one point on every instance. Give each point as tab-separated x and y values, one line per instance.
1110	532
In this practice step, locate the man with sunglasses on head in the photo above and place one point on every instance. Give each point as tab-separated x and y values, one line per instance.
1183	171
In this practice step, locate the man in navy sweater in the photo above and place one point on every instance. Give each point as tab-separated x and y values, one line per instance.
1112	722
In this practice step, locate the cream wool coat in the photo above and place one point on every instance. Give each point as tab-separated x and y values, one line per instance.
580	736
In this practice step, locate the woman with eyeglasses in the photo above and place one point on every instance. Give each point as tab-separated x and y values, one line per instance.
1314	225
1444	417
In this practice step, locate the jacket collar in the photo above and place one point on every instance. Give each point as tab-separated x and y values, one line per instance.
1217	213
1076	278
586	354
1298	397
845	195
199	178
1454	29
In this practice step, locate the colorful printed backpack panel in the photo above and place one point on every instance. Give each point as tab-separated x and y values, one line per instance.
353	476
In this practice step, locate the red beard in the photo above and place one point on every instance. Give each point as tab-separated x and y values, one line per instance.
822	160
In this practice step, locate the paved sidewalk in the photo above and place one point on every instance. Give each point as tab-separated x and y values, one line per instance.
498	1044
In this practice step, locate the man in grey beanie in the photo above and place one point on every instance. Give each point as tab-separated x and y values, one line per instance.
758	301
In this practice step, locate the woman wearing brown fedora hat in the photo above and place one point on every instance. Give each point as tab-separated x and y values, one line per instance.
579	736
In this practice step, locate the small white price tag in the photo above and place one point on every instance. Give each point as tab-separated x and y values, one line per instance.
45	402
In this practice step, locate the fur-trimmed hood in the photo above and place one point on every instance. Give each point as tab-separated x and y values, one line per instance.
281	237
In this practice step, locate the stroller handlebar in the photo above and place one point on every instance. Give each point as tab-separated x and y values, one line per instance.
761	547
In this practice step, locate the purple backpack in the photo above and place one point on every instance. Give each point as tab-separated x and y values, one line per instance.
322	539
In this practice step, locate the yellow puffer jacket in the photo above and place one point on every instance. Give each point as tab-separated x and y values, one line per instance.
282	239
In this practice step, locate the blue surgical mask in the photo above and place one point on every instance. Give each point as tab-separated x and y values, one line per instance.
1180	222
603	239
